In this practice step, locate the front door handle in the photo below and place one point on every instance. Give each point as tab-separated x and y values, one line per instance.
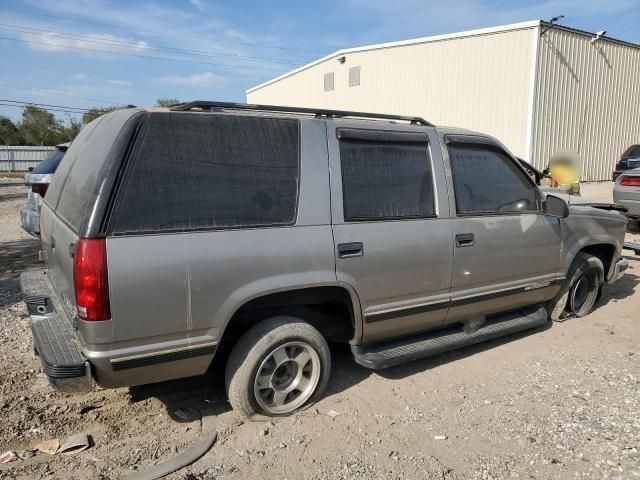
350	250
464	240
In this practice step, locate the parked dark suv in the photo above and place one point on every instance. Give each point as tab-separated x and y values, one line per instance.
629	160
169	233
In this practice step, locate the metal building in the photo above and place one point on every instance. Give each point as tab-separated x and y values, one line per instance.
539	88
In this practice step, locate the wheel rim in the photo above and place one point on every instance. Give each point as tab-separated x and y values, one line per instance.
287	378
583	294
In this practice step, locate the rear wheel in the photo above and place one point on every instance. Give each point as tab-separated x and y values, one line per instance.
277	367
581	289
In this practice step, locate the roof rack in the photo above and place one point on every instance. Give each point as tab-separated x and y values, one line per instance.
318	112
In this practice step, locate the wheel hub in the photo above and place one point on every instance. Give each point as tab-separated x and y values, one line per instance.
287	377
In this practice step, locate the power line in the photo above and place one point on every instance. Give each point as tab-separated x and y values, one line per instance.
44	104
60	110
163	34
89	39
184	60
60	94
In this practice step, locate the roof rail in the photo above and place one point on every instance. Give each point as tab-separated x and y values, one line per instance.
318	112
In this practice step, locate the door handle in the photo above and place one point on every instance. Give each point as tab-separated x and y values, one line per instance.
350	250
464	240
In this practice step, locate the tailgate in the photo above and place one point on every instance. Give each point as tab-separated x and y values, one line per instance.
58	241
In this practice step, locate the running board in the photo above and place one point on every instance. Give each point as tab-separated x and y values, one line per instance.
397	351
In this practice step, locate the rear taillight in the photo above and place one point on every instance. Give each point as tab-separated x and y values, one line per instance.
630	181
90	279
39	188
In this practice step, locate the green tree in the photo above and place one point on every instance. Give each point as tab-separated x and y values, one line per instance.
70	131
166	102
39	127
9	132
94	113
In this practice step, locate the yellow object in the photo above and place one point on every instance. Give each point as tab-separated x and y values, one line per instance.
564	174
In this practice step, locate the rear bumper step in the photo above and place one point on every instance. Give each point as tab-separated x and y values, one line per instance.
54	339
395	352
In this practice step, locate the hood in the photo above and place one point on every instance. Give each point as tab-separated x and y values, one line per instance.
574	200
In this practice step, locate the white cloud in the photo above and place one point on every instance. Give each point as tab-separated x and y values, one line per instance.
198	4
195	80
92	43
80	76
119	83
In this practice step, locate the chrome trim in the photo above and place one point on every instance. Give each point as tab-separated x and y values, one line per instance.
162	352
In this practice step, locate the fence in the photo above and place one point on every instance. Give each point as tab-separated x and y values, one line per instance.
19	159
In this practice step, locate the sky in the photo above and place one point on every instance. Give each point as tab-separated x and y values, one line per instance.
96	53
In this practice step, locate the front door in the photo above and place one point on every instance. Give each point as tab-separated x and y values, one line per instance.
391	226
507	253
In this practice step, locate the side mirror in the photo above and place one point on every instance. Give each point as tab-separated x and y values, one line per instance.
555	207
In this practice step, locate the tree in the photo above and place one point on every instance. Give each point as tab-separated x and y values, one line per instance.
9	132
94	113
69	132
39	127
166	102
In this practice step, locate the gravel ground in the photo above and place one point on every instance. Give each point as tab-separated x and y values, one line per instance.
561	402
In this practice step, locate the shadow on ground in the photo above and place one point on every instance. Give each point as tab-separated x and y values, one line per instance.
197	397
16	257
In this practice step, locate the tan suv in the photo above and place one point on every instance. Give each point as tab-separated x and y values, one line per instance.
172	233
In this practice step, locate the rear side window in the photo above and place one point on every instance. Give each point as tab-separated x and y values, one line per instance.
632	152
487	181
385	180
199	171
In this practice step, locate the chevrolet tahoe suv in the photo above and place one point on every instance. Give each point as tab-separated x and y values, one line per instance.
169	234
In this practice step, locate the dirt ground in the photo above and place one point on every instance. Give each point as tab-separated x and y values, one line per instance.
561	402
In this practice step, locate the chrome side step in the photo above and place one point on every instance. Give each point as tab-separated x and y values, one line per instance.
397	351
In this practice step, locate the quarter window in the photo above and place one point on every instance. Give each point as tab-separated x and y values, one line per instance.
487	181
384	180
195	171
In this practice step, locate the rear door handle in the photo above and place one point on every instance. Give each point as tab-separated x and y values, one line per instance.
350	250
464	240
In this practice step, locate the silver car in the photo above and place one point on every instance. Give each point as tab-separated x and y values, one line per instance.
172	236
626	192
38	180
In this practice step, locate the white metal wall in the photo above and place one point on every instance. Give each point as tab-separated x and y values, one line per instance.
19	159
481	82
587	101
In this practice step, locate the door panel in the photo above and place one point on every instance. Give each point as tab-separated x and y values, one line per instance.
507	252
400	268
510	253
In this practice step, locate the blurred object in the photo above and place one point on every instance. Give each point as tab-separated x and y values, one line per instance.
564	169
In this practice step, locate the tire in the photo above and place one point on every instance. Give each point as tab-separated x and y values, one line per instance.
279	366
580	291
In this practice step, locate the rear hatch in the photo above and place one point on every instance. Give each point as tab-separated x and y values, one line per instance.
81	185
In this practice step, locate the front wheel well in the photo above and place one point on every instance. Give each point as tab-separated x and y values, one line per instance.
604	251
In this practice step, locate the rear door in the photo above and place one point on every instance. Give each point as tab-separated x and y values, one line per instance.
391	227
507	252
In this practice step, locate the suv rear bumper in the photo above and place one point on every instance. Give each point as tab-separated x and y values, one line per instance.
54	339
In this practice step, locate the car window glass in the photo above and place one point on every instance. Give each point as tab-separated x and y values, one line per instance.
386	180
487	181
50	164
197	171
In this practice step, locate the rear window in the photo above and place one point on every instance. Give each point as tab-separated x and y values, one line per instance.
199	171
386	180
78	179
632	152
50	164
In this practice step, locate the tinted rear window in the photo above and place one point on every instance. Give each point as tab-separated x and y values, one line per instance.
199	171
633	152
384	180
50	164
78	179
